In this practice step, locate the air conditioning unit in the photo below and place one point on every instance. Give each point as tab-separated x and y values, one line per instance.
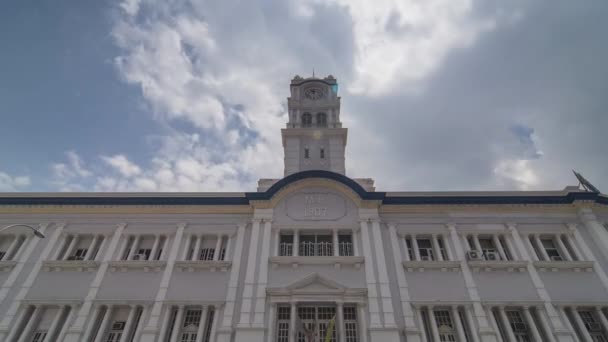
139	257
474	255
593	326
118	326
492	256
520	327
556	258
426	258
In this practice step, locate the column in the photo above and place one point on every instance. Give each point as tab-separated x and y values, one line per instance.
581	325
572	242
197	248
406	256
229	239
178	324
89	331
18	322
68	320
163	253
436	248
562	248
602	317
472	329
216	313
370	278
260	304
423	337
247	301
231	293
104	324
588	255
562	314
545	323
100	250
385	291
187	247
129	324
276	242
458	324
362	323
340	322
531	324
123	247
154	247
476	242
447	247
498	245
433	323
355	241
55	323
465	239
272	315
11	248
139	322
70	248
541	248
134	246
505	323
202	322
292	322
218	247
31	322
336	245
533	254
91	247
494	324
510	247
596	229
296	242
415	247
165	324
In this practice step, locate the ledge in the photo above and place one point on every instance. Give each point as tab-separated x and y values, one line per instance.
493	265
337	261
421	266
197	265
553	266
64	265
145	265
8	265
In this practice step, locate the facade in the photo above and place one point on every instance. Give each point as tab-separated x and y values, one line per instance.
313	254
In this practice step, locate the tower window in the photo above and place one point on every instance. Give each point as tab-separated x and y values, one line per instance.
306	153
306	120
322	153
321	119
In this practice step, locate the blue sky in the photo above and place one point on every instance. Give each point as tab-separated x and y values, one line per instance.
139	95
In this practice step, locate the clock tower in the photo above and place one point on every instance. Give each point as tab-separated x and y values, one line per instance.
314	138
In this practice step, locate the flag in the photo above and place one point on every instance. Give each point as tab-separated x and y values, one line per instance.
330	329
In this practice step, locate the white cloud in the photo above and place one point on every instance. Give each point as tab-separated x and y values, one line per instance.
13	183
122	165
517	173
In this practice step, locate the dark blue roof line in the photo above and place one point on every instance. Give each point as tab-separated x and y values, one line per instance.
366	195
267	195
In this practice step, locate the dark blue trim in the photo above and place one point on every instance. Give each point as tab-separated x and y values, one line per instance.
314	80
316	174
267	195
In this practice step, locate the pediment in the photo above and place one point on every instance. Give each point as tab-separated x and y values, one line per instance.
315	282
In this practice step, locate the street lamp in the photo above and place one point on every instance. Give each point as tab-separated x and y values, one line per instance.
36	231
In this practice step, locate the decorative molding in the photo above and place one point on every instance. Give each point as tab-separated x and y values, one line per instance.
198	265
421	266
8	265
337	261
576	266
493	265
70	265
146	265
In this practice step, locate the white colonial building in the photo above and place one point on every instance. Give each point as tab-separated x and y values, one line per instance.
284	263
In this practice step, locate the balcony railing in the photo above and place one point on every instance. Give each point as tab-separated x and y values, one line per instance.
285	249
309	248
345	249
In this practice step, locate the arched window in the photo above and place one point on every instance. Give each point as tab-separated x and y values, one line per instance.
321	119
306	120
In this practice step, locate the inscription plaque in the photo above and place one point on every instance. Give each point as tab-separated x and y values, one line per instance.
315	206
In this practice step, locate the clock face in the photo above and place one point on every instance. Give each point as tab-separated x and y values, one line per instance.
313	93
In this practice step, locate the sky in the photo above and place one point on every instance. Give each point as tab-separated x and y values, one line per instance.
438	95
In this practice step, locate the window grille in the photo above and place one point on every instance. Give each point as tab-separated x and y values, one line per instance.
193	317
410	251
518	325
306	120
350	324
322	119
206	254
445	326
39	336
425	248
315	320
285	249
283	319
210	317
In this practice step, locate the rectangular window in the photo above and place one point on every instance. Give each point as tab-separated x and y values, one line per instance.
116	331
315	322
316	245
488	249
142	254
350	324
285	245
551	249
447	331
78	254
206	254
345	245
518	326
283	319
322	153
425	248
